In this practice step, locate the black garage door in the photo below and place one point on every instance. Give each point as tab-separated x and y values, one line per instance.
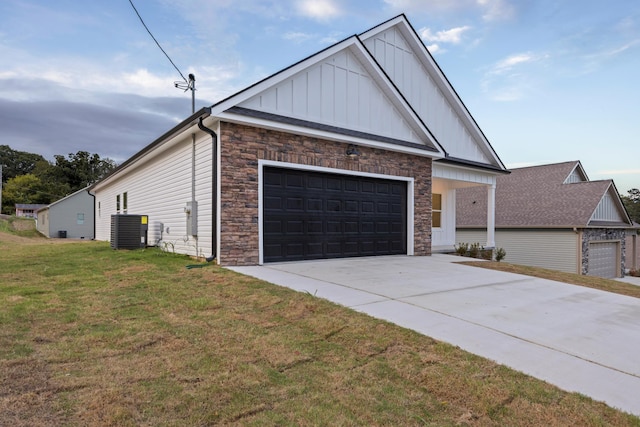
313	215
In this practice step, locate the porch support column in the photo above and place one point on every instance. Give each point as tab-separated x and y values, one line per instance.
491	216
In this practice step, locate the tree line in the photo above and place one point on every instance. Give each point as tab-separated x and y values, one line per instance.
632	203
30	178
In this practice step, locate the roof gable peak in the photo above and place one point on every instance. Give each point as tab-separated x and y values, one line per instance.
399	50
341	88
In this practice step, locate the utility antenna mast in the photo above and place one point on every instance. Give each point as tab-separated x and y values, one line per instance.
180	84
189	85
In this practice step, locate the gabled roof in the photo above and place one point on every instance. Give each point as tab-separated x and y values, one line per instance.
399	49
339	92
68	196
402	126
34	206
538	196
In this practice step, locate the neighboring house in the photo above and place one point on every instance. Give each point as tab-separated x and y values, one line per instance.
27	210
71	217
632	259
338	155
552	216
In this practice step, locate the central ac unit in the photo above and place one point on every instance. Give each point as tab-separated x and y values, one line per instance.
129	231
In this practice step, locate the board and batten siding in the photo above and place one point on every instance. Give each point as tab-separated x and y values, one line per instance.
161	188
396	57
552	249
339	91
607	210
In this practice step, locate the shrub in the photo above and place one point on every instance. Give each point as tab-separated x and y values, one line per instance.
500	254
486	254
474	250
462	249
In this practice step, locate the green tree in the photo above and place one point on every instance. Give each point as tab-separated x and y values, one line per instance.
23	189
632	203
15	163
81	169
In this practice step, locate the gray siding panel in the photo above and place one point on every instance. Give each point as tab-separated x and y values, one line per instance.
552	249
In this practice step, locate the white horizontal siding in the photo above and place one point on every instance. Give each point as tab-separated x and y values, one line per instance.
161	189
338	92
398	60
555	250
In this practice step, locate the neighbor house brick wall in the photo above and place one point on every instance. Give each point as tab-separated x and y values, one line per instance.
242	147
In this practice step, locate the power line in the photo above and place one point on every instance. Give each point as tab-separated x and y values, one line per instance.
154	39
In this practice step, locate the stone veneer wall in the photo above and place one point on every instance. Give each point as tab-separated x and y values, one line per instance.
241	148
600	234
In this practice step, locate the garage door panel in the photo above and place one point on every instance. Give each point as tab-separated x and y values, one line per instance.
603	259
311	215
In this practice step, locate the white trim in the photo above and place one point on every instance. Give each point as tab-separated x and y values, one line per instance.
218	190
355	45
433	69
286	165
491	216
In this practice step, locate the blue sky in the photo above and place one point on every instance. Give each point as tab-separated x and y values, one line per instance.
546	80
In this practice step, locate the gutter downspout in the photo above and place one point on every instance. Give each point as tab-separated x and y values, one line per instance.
214	185
95	213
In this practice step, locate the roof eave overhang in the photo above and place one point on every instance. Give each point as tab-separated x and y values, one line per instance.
176	131
442	81
318	130
454	161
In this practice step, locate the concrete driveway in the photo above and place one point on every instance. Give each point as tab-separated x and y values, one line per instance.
577	338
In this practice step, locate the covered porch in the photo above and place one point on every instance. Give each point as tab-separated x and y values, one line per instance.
446	179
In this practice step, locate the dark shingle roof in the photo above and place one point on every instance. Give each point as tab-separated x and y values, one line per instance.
534	197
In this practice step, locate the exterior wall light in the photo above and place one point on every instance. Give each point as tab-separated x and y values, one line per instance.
352	151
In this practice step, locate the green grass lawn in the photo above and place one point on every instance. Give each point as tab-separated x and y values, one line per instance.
93	336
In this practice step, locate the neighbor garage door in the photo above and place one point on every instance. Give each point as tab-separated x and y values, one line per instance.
603	259
314	215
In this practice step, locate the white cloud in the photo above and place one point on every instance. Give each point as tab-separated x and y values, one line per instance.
318	9
297	36
422	5
619	172
512	61
496	10
511	79
491	10
454	35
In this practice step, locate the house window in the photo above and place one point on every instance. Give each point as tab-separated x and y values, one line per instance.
80	218
436	217
118	203
124	202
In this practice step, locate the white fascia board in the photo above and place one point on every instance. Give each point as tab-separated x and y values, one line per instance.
471	175
356	47
278	77
581	170
331	136
175	139
367	60
425	58
617	200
